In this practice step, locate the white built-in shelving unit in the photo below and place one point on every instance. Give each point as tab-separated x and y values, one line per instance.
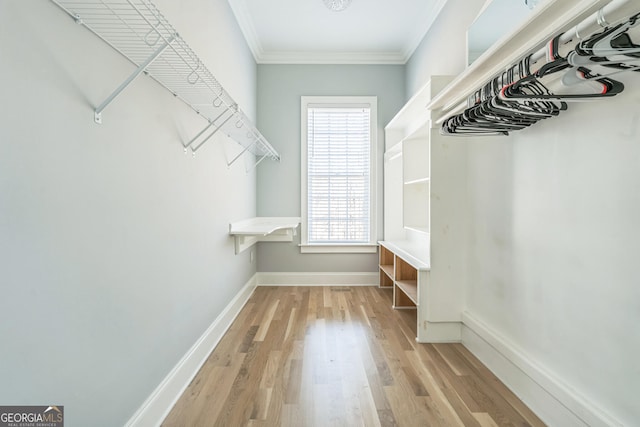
406	264
416	179
423	254
408	135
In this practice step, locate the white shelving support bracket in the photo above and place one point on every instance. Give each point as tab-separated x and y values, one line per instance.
242	152
98	113
255	165
211	123
211	134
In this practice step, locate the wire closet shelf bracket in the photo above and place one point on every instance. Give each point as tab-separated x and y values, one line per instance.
138	31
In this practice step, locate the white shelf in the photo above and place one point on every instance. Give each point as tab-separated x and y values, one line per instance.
415	205
263	229
550	18
412	121
138	31
409	136
417	181
423	230
416	165
415	254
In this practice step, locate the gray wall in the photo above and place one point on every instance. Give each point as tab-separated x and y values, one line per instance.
114	253
554	245
554	235
443	49
279	90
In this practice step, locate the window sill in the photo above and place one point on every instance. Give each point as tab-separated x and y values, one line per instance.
362	248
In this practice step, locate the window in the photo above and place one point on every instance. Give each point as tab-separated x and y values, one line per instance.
338	179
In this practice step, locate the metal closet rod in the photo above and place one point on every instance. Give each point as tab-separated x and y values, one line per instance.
608	15
138	31
612	13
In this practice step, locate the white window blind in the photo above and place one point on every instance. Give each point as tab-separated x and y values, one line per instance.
338	174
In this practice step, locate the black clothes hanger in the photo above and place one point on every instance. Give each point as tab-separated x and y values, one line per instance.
519	97
611	41
612	48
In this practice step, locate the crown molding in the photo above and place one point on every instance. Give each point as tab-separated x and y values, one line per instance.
243	17
339	58
400	57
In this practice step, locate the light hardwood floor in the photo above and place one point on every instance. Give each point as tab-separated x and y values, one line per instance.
340	356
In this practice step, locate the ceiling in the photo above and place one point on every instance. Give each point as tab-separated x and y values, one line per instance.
306	32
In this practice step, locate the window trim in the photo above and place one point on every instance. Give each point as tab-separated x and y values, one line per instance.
342	101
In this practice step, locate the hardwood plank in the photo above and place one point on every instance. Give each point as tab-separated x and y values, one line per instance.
483	372
439	398
340	356
492	402
485	420
455	382
462	411
269	374
248	339
457	364
261	404
374	382
294	382
266	321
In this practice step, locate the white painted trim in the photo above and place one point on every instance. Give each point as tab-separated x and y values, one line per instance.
556	403
158	405
239	9
339	249
400	57
439	332
332	58
375	192
318	279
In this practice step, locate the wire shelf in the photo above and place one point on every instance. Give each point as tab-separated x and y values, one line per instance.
138	31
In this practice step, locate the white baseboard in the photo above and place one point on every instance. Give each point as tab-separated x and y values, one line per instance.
553	401
318	279
440	332
158	405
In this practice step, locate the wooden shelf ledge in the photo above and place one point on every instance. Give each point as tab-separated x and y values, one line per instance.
410	289
415	254
263	229
388	270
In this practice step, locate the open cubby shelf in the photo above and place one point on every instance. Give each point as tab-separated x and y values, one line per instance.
403	272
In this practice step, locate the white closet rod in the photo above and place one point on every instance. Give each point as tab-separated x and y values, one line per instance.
454	98
139	32
610	14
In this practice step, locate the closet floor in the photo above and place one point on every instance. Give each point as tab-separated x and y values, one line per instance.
340	356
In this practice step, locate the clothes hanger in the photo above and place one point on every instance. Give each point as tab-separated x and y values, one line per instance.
612	40
593	86
518	97
613	48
